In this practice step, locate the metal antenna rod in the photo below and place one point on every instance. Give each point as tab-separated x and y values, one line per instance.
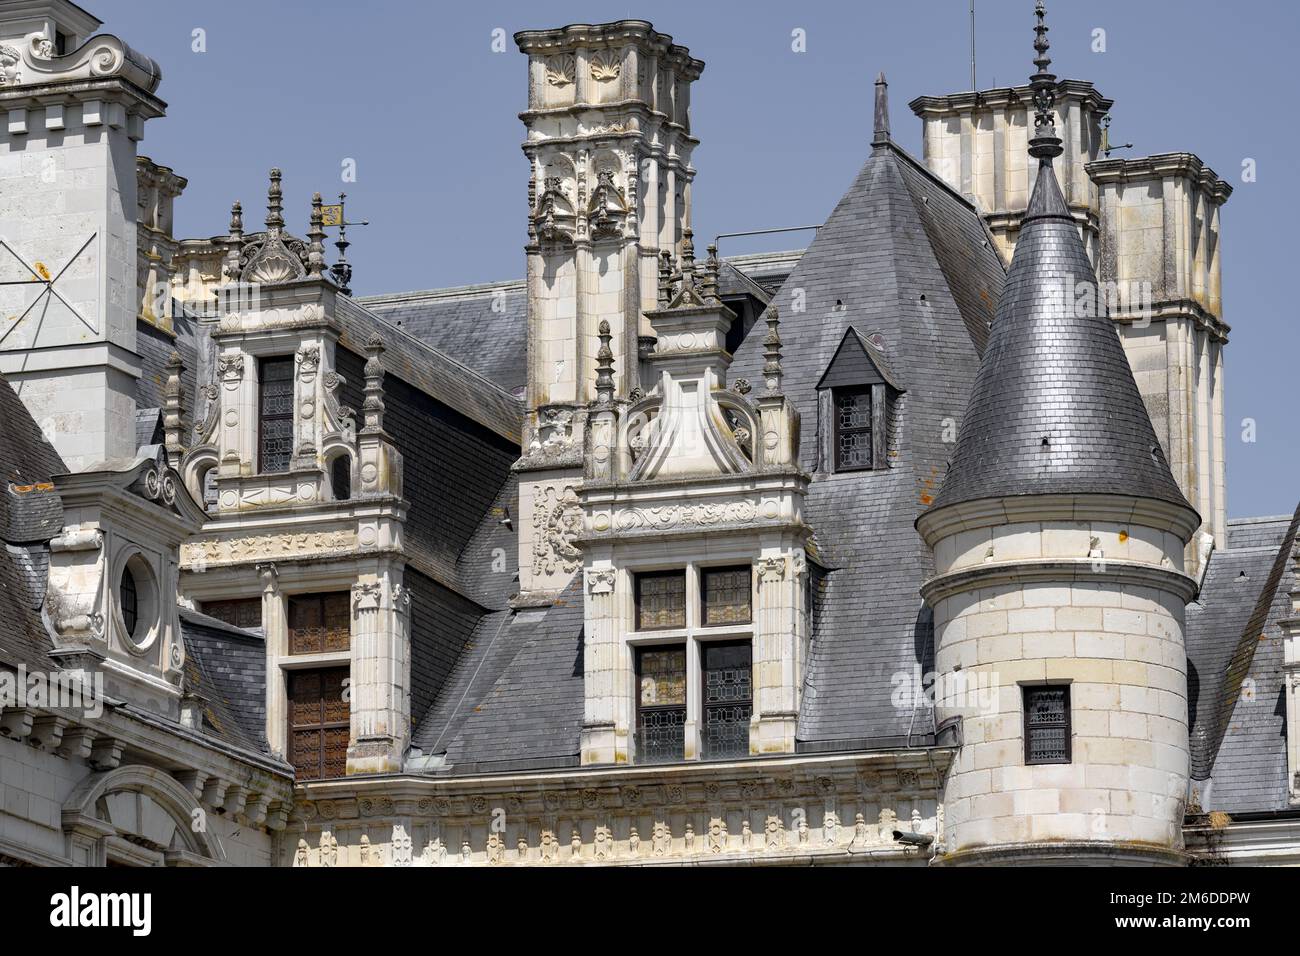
973	87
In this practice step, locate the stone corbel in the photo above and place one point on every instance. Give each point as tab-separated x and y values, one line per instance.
105	753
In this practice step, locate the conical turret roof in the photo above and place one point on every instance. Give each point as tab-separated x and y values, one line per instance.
1055	409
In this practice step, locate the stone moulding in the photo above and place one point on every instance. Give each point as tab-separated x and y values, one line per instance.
841	808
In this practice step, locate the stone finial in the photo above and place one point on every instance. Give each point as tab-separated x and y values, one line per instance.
686	265
709	282
235	240
372	408
665	279
1044	145
316	239
274	204
772	373
881	135
173	425
604	367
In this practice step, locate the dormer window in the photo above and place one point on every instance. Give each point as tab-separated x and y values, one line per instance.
129	597
856	396
852	427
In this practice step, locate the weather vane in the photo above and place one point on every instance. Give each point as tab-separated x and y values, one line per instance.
333	215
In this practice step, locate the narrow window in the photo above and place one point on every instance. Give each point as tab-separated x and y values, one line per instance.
852	428
1047	724
661	704
319	623
341	478
130	601
210	491
660	600
275	414
726	594
318	722
728	699
239	612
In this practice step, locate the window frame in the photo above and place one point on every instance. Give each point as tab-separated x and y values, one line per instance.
704	648
321	597
844	391
704	573
641	708
1066	724
641	576
262	418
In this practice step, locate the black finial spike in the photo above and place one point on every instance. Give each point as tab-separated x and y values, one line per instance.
1044	145
881	134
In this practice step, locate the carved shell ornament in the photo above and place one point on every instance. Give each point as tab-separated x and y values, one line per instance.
605	66
561	70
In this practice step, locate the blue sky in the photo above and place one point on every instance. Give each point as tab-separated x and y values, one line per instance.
416	96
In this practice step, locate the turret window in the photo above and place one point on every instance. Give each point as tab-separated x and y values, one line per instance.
275	414
725	594
728	699
318	722
1047	724
661	704
320	623
660	600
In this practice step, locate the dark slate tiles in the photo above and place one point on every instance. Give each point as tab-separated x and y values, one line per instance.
875	267
227	666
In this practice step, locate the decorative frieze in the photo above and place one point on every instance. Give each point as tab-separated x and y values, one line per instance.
206	554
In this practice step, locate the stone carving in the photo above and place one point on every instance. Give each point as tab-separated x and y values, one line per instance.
557	519
717	835
365	595
308	359
746	834
261	547
601	581
690	837
554	429
861	836
741	386
633	842
774	832
561	70
830	828
605	65
771	570
661	839
496	848
632	796
888	823
401	846
549	846
434	854
300	858
329	849
365	850
465	852
10	75
230	369
575	844
676	516
908	778
603	845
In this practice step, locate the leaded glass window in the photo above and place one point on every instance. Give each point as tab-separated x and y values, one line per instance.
275	414
130	601
660	600
728	699
318	722
239	612
661	704
319	623
852	428
1047	724
726	594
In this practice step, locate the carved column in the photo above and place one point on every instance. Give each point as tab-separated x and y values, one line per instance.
779	627
381	667
275	627
607	677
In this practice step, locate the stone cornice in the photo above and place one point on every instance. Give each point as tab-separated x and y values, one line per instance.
934	106
1041	571
992	512
585	35
1161	166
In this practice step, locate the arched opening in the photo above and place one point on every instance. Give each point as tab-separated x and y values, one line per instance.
341	478
137	604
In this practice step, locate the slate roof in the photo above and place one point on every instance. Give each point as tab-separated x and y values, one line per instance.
227	666
902	254
1055	408
1235	681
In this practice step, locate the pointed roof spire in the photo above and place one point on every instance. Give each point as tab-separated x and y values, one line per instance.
881	135
1054	408
1044	144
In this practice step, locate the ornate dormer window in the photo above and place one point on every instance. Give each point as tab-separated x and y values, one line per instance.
856	397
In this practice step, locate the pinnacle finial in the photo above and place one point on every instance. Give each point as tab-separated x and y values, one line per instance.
274	207
881	134
604	366
1044	145
772	373
316	239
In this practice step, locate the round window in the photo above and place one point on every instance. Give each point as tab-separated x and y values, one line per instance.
137	600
